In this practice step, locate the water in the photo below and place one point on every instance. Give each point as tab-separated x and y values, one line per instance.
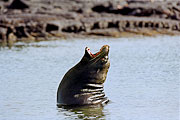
142	82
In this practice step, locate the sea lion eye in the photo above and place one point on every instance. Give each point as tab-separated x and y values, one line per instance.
104	59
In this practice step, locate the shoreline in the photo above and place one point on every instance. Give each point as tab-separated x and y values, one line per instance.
36	20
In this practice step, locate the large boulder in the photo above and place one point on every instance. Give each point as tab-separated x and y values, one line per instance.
18	4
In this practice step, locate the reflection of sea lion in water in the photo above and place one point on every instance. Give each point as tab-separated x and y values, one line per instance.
83	84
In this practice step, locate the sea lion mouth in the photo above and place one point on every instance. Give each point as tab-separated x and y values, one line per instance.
104	50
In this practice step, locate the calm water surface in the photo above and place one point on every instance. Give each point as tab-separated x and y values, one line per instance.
142	83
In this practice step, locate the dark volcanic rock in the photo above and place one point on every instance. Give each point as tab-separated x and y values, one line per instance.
18	4
37	19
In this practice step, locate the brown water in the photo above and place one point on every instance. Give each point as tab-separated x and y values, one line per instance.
142	83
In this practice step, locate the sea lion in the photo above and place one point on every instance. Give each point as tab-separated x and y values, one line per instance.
83	83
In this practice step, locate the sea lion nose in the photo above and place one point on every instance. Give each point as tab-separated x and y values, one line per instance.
106	48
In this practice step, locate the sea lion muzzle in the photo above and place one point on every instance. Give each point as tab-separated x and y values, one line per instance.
83	83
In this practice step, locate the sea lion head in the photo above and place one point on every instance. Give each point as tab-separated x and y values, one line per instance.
103	53
96	65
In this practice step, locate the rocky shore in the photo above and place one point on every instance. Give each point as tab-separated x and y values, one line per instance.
34	20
